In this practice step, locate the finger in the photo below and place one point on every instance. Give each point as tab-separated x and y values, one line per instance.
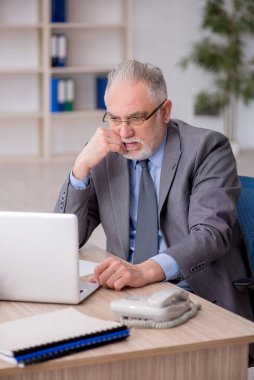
102	266
124	280
115	143
111	273
112	279
118	148
114	139
106	141
119	278
92	278
103	133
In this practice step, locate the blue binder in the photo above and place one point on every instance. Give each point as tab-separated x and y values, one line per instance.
61	94
101	83
61	59
54	101
58	11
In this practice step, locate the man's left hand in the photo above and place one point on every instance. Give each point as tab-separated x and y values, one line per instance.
115	274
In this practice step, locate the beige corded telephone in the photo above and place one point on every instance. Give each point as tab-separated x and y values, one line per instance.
166	308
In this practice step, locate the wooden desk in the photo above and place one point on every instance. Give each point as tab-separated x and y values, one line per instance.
211	346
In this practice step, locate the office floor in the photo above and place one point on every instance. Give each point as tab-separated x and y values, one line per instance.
34	186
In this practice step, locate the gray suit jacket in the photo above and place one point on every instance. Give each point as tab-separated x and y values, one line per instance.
199	190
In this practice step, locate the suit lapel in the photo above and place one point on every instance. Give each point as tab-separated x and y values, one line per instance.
119	185
172	154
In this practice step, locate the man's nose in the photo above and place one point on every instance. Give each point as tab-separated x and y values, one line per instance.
126	129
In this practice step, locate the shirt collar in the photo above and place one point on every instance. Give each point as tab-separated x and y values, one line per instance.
157	157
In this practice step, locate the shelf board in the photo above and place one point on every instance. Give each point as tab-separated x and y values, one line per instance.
81	25
77	114
21	26
54	115
81	69
20	70
20	115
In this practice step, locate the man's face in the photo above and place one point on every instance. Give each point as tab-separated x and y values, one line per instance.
127	101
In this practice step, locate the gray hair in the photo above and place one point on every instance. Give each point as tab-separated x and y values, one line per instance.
134	71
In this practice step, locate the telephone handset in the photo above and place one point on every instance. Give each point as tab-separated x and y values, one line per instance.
165	305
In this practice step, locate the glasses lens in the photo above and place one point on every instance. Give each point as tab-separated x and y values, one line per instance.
111	121
134	121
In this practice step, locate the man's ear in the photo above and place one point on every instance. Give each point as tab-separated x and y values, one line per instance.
166	109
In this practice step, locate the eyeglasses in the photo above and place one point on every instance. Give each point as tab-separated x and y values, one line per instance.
135	121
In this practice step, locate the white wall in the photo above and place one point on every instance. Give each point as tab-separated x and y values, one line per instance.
164	31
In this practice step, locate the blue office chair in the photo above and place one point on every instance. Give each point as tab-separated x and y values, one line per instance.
245	213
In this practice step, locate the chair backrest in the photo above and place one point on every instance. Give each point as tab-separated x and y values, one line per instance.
245	213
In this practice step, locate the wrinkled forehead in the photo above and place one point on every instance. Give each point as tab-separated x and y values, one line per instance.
128	93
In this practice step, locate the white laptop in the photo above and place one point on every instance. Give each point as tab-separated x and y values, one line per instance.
39	258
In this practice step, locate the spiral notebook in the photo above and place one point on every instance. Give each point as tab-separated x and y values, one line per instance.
55	334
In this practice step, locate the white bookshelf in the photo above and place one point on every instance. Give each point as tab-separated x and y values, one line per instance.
99	35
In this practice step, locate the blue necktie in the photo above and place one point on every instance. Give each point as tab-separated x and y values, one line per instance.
146	242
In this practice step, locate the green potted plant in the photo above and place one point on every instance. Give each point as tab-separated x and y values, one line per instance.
222	53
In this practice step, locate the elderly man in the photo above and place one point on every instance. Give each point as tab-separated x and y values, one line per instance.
187	231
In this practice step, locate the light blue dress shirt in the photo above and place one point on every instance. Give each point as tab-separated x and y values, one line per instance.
167	263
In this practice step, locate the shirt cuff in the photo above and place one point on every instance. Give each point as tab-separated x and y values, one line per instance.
168	265
79	184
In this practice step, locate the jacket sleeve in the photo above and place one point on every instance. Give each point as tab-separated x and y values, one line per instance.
83	203
211	215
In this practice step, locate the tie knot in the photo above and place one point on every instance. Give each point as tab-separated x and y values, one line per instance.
143	164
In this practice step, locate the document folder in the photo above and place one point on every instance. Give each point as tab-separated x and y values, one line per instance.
55	334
